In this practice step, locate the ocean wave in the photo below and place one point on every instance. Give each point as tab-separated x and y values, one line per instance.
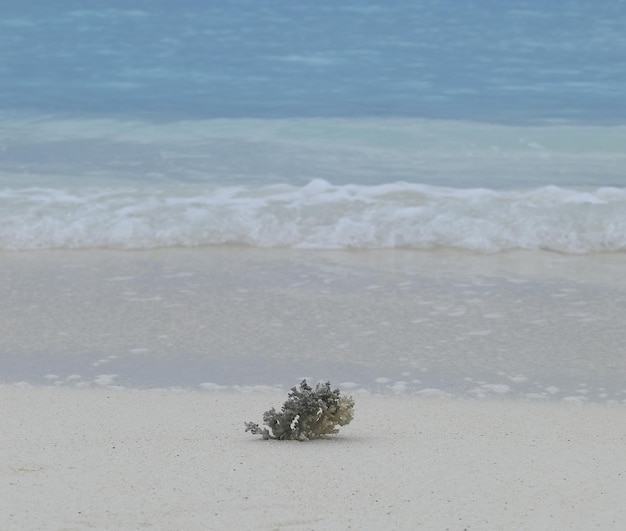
318	215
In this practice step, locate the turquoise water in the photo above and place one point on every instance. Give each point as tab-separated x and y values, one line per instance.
519	61
311	125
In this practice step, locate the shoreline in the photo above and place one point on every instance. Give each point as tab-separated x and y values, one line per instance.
521	325
103	458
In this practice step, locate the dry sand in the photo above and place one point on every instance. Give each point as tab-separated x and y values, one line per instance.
149	459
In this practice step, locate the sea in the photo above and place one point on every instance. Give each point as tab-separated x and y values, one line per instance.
412	156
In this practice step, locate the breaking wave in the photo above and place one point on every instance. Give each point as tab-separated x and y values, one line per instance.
318	215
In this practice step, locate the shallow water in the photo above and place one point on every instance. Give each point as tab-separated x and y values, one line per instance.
529	325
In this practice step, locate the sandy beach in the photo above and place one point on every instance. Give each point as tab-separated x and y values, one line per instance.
489	390
121	459
203	204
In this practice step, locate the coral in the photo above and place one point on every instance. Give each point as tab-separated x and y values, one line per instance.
307	414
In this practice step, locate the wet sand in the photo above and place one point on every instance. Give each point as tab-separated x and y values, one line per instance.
528	325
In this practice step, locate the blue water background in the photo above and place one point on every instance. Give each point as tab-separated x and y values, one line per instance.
515	61
142	124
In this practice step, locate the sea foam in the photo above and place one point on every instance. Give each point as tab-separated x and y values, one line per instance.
319	215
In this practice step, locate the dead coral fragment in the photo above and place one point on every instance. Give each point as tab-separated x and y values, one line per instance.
307	414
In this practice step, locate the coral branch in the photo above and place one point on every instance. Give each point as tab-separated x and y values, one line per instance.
307	414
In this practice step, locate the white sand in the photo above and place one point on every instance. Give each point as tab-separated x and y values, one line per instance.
122	459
